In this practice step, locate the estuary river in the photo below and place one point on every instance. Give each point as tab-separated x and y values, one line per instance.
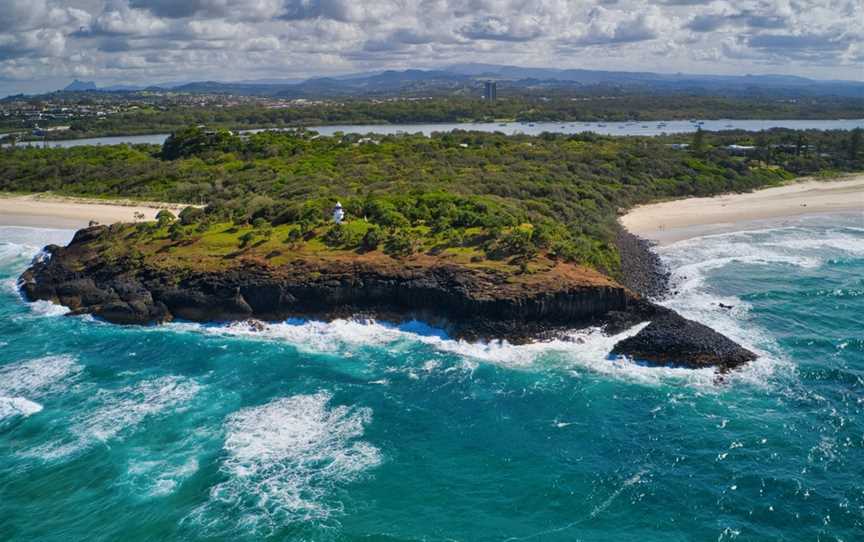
629	128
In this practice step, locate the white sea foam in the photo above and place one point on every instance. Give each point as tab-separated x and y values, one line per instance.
111	412
37	377
18	246
13	252
158	478
33	239
11	407
130	405
311	335
284	459
37	308
9	285
838	242
24	380
579	350
47	308
694	260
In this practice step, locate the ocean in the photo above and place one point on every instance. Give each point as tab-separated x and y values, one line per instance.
364	431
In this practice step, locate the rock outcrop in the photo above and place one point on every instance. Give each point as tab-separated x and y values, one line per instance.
671	339
468	302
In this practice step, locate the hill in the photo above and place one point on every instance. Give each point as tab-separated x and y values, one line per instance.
461	79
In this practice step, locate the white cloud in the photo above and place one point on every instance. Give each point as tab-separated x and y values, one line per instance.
21	16
266	43
128	21
157	40
216	29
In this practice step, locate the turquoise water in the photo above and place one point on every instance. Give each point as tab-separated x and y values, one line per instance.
369	432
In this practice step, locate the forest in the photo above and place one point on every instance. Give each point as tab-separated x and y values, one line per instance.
482	196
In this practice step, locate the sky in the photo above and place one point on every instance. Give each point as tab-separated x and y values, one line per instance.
44	44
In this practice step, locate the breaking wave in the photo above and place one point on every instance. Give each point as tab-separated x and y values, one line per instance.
11	407
24	380
37	376
807	246
586	349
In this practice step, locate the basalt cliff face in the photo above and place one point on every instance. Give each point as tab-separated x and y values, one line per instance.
469	303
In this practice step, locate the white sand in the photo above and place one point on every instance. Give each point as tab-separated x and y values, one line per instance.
46	211
676	220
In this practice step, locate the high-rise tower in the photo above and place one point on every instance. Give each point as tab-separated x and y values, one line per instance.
490	91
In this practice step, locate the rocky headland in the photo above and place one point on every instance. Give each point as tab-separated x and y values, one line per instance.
470	303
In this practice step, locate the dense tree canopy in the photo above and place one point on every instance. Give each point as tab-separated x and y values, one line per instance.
508	196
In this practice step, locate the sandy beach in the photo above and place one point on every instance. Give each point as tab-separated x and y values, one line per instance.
46	211
676	220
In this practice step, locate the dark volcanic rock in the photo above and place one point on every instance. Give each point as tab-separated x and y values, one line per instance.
671	339
641	269
470	304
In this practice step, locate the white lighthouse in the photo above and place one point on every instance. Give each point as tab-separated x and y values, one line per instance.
338	213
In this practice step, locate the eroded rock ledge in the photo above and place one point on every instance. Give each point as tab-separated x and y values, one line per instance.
470	303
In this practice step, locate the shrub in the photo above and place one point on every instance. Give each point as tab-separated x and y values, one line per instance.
371	239
165	217
191	215
294	236
176	231
399	243
246	238
335	236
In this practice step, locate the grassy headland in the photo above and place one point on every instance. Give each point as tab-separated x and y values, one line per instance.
512	204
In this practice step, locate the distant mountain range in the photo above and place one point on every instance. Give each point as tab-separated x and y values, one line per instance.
467	79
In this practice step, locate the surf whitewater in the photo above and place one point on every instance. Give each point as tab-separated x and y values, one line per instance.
353	430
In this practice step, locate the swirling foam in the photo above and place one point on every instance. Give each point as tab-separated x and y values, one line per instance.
33	378
806	246
38	376
158	478
117	411
579	350
284	460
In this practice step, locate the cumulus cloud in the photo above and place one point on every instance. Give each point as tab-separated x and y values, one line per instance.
234	9
22	16
127	21
161	40
45	42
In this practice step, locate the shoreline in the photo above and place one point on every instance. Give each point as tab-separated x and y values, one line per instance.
60	212
668	222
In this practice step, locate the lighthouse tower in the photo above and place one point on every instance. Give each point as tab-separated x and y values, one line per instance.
338	213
